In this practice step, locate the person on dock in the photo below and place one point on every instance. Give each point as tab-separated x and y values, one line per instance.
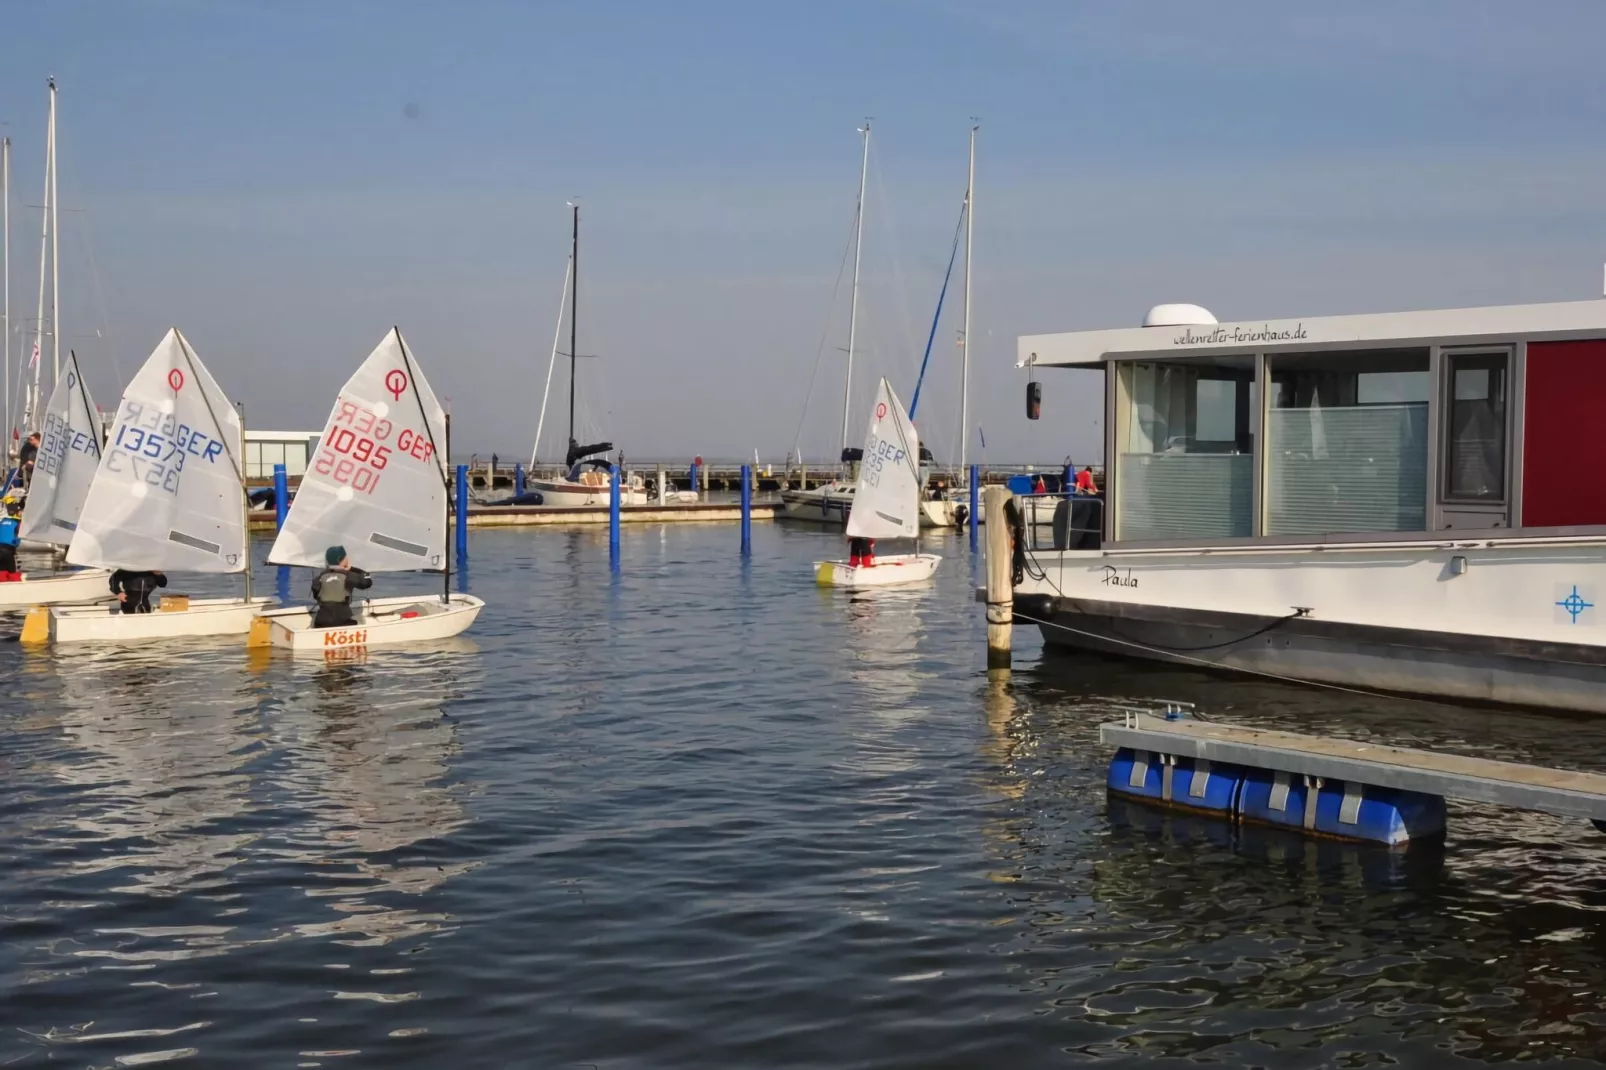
1084	481
861	553
133	588
10	537
26	456
333	588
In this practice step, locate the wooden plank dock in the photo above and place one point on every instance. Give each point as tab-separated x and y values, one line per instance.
1452	776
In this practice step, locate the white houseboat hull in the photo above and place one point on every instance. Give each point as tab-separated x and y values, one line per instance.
895	570
67	588
1517	622
380	622
108	624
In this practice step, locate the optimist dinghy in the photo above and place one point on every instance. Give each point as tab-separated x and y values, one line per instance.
378	484
168	495
886	503
69	454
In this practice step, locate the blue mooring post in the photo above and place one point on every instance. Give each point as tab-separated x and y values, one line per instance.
462	511
975	504
613	517
281	495
747	510
518	479
693	474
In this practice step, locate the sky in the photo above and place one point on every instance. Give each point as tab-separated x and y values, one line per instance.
286	180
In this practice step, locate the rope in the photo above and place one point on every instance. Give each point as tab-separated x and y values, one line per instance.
1201	661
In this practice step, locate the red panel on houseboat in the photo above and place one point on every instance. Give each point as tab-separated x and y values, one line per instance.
1563	444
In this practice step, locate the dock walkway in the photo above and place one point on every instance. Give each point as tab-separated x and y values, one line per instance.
1452	776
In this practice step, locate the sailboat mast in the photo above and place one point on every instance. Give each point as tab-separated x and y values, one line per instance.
964	352
55	250
853	305
5	195
31	407
574	316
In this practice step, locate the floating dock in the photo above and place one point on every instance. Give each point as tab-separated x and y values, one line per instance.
1172	762
504	516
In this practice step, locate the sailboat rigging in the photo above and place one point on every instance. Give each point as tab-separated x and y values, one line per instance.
588	477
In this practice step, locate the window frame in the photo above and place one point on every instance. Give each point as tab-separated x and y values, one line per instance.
1444	439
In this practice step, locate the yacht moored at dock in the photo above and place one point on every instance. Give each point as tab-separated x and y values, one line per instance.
1411	502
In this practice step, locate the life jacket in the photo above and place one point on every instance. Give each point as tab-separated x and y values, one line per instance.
332	586
10	531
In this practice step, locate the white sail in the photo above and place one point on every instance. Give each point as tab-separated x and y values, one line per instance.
169	492
377	484
886	498
69	455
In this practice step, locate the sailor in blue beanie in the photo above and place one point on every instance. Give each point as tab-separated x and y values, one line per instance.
333	588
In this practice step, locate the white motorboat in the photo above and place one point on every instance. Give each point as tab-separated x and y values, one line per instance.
828	504
378	484
1407	502
168	495
887	492
380	622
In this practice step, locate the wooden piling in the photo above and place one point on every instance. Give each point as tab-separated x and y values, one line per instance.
1000	585
663	489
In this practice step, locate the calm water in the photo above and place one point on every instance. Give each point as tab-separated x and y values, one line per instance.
705	815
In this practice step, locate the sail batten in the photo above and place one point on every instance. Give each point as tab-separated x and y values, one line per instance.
886	496
377	483
167	494
69	455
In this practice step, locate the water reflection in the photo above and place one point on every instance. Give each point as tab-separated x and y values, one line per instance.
157	749
369	751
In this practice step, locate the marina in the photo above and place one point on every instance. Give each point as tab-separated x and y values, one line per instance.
601	602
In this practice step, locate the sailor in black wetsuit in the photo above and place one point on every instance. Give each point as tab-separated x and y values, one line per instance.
133	589
333	588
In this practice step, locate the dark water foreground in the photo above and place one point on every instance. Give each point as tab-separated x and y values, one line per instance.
705	815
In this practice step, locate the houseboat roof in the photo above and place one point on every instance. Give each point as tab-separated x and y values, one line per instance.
1459	326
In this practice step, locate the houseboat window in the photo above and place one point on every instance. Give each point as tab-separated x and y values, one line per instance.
1347	447
1475	467
1185	460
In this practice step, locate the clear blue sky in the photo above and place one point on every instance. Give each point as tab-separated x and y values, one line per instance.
286	180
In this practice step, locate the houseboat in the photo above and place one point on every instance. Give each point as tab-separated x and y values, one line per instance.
1408	502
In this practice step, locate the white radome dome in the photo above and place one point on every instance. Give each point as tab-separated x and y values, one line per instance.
1178	316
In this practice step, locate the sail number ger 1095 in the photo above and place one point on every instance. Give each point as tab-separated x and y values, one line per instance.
357	446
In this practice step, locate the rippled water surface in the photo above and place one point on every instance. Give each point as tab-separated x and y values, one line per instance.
703	814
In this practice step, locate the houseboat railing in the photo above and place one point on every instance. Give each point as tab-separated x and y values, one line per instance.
1061	520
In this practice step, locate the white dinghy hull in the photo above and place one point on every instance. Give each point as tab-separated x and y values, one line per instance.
76	586
895	570
381	622
108	624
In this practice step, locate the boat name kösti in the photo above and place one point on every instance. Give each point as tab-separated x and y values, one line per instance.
352	637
